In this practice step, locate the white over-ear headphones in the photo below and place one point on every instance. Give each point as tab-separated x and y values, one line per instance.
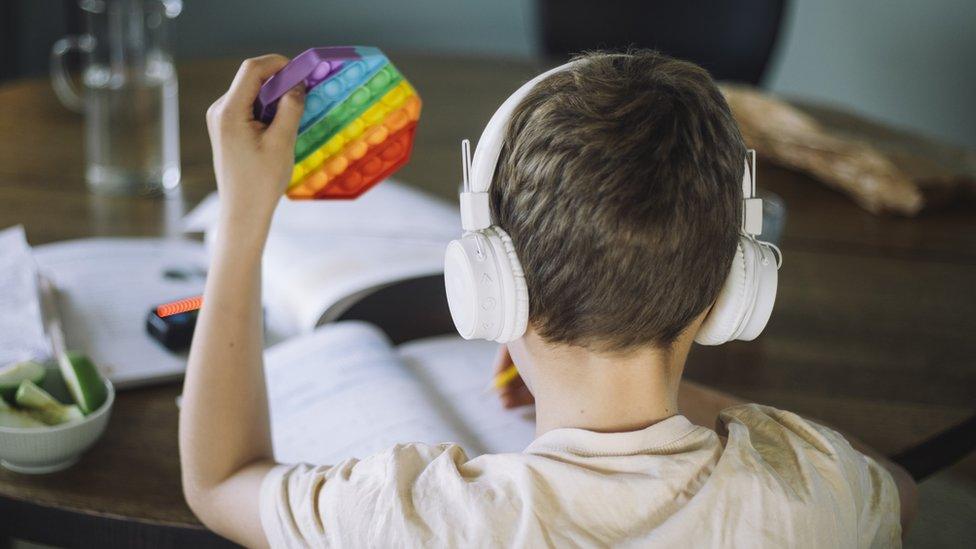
485	284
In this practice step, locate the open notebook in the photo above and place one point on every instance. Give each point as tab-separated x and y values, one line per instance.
343	391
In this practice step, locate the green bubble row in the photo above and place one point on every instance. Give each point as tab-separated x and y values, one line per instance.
348	110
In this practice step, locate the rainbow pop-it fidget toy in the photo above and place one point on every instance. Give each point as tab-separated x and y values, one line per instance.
359	121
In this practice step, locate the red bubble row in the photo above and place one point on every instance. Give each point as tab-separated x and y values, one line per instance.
373	167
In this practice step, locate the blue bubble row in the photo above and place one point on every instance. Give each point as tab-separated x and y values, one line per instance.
335	89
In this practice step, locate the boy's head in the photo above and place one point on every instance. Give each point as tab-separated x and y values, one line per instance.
620	185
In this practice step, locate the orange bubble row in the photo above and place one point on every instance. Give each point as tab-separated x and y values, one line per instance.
178	307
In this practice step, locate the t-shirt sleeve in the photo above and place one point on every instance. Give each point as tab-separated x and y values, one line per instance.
818	461
316	506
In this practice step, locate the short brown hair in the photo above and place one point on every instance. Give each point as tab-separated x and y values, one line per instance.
620	185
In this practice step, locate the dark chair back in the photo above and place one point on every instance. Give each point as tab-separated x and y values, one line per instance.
733	40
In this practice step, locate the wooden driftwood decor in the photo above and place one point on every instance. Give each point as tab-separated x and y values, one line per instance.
882	169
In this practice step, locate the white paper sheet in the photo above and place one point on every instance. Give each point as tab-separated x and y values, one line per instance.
106	287
343	392
21	324
309	280
323	255
391	209
456	373
340	392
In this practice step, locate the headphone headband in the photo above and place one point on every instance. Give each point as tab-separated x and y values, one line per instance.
493	137
475	212
478	173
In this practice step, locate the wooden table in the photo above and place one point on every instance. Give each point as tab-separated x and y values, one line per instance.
873	329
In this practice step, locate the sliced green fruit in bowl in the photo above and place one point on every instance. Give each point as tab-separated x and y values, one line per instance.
46	438
11	376
84	382
29	395
44	407
17	419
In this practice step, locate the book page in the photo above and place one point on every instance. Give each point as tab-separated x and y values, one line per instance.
105	288
310	280
391	209
456	374
323	255
341	392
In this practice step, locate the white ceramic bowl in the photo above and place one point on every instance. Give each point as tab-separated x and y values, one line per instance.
47	449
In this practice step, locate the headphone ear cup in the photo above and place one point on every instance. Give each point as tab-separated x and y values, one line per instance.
746	301
764	293
516	302
720	324
473	286
485	286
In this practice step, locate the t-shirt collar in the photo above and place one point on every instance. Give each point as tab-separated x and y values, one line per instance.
582	442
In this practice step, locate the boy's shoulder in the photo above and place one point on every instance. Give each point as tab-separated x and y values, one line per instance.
765	427
805	456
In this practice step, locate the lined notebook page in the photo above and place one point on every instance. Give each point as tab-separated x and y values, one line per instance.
342	392
456	373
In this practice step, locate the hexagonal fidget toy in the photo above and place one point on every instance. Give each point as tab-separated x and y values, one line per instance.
359	121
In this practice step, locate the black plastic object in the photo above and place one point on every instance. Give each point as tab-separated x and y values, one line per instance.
175	332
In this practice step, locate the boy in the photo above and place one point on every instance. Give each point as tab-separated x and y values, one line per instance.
619	183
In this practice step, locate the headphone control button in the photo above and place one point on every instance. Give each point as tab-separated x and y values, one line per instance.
488	303
486	279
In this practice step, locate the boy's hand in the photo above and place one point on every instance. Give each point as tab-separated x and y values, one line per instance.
515	393
253	161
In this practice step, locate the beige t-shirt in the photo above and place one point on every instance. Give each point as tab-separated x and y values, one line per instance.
776	481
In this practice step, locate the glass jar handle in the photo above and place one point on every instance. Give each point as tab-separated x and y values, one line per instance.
66	91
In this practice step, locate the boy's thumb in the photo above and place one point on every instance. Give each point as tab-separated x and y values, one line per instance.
289	113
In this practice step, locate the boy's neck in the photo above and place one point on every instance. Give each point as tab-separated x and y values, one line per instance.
605	392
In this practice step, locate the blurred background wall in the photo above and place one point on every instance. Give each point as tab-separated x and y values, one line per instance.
906	62
462	27
909	63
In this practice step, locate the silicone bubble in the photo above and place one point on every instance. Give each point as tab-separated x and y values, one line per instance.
359	121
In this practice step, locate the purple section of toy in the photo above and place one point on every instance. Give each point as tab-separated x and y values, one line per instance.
311	66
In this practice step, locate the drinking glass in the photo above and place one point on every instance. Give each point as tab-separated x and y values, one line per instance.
128	95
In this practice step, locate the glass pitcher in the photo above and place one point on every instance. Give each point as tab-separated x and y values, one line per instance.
128	96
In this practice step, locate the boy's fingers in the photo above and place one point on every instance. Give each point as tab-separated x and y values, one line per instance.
289	114
518	396
502	360
515	393
247	83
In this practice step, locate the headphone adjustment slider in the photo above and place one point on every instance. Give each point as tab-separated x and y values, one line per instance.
752	215
475	212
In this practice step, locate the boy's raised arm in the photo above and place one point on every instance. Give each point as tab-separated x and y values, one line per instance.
225	444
